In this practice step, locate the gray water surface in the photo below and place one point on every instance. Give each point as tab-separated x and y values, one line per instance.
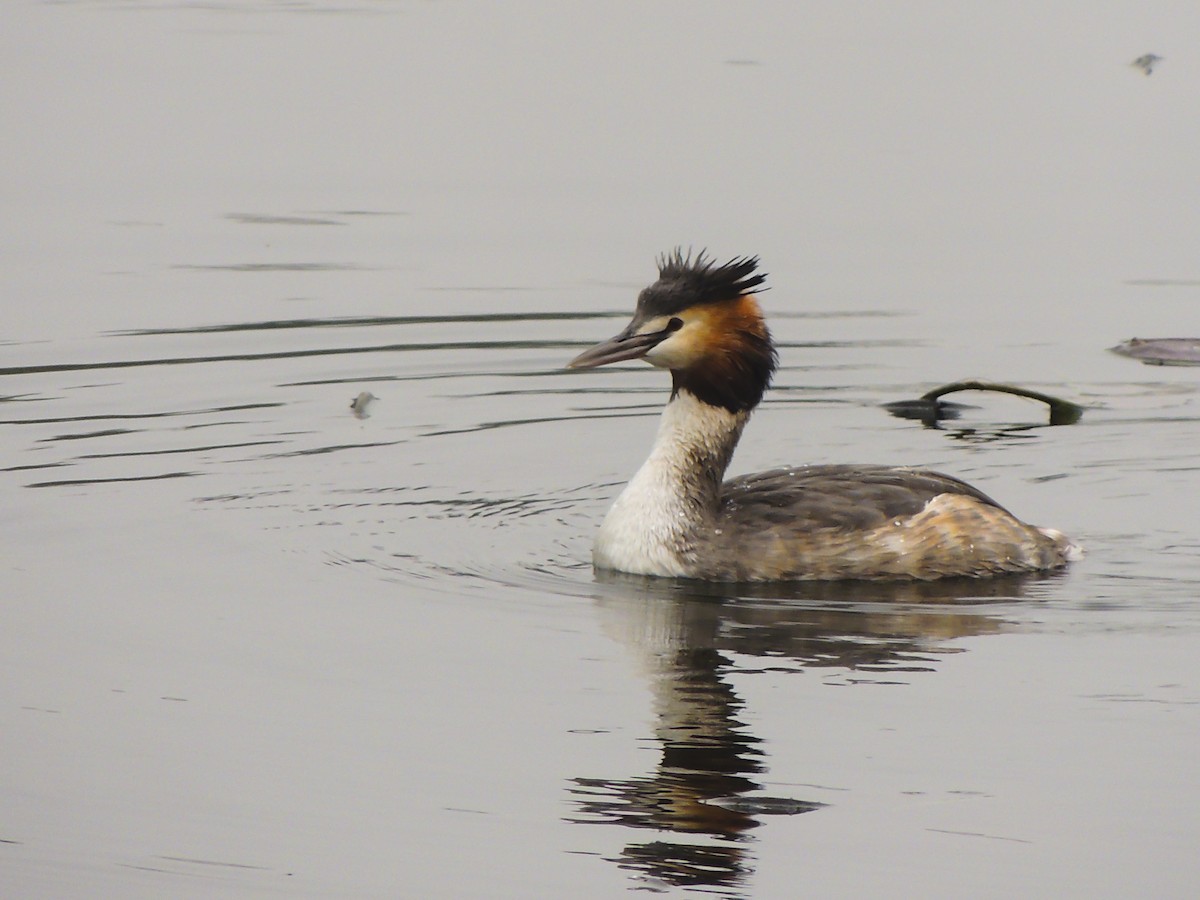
256	645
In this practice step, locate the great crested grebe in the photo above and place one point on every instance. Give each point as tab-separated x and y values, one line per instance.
822	523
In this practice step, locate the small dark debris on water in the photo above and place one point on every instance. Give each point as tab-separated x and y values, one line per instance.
928	411
361	405
1161	351
930	408
1146	62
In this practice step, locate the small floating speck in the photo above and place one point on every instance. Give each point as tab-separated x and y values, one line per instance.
361	405
1146	62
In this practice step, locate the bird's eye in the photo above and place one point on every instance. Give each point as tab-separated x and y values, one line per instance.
674	325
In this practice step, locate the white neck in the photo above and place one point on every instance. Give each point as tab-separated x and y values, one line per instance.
653	527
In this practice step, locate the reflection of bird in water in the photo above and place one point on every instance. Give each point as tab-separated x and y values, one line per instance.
1146	62
707	754
702	800
676	518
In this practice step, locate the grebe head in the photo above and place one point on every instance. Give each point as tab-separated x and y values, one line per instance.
701	321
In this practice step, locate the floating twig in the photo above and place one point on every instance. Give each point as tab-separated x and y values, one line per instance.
930	408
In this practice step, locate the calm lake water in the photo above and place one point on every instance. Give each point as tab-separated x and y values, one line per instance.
256	645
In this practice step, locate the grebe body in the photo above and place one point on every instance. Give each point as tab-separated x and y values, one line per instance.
677	516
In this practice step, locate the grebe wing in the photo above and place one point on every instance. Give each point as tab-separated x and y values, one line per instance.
839	497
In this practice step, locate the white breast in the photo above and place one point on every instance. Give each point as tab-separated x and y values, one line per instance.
653	525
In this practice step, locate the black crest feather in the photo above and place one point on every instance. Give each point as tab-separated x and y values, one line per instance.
684	282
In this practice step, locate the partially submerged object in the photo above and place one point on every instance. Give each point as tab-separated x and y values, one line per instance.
930	408
1161	351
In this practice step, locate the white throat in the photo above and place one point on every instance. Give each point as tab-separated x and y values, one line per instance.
655	524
